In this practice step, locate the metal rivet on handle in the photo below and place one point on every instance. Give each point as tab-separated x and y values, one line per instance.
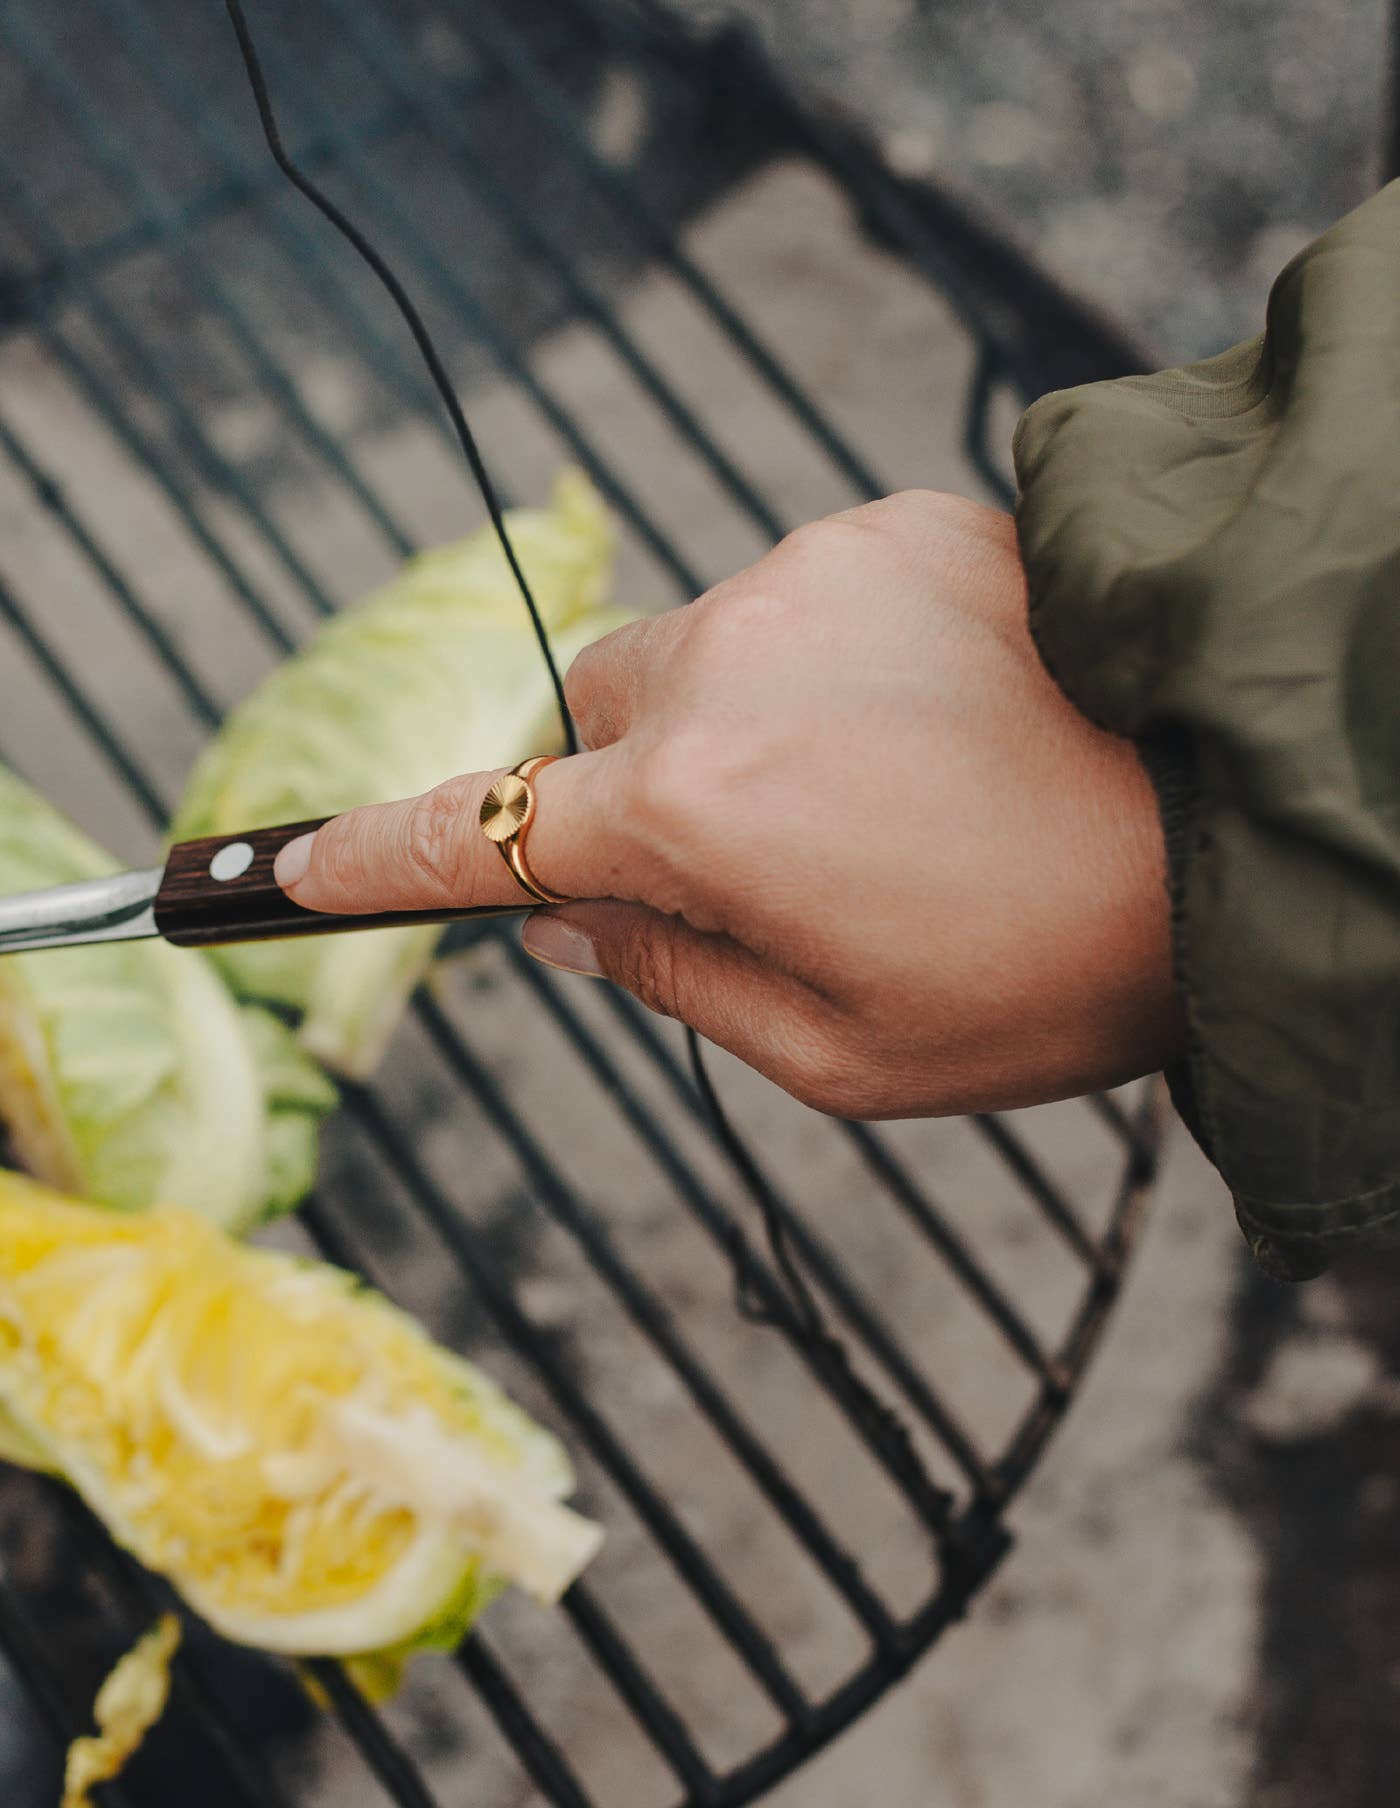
231	862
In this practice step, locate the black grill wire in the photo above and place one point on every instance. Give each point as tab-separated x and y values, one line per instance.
1005	307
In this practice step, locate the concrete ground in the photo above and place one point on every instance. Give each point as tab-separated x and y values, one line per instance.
1200	1611
1166	157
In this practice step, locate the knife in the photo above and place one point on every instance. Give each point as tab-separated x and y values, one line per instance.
215	890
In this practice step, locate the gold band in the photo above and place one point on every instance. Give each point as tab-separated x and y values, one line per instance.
507	810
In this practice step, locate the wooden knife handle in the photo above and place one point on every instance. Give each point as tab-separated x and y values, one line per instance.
221	889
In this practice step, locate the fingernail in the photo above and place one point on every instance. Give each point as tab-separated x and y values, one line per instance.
560	944
289	868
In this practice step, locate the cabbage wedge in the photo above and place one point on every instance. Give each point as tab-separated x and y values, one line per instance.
128	1073
435	674
294	1454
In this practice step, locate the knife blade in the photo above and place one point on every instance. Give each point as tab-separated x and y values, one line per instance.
210	892
120	908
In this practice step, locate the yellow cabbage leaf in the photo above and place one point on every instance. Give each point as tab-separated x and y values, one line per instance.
295	1454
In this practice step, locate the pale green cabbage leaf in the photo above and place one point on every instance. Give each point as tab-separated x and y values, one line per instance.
128	1073
435	674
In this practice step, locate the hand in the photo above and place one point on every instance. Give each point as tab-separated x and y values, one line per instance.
841	822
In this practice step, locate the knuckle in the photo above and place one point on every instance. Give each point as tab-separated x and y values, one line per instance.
832	538
726	617
585	682
903	505
814	536
580	681
714	625
727	634
435	839
648	968
941	517
924	502
905	513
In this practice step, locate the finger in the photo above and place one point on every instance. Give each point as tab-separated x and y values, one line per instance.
429	852
604	684
730	995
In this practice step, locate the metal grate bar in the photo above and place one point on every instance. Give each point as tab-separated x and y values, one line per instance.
30	1664
836	1563
330	1239
593	1237
714	1594
664	1725
538	1753
988	370
228	476
93	721
900	1184
453	289
45	1686
881	1163
306	247
52	497
44	287
1045	338
382	53
252	184
659	1720
1125	1127
716	1219
985	1543
111	156
853	1307
401	1778
104	404
859	1315
1088	1324
546	101
223	475
1041	1188
665	1729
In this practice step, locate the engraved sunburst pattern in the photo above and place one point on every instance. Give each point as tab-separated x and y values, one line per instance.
506	807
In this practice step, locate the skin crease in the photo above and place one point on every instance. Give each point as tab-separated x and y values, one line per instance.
848	826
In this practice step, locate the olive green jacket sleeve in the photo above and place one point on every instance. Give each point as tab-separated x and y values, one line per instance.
1214	565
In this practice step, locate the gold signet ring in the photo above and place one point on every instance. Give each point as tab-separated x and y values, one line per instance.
507	810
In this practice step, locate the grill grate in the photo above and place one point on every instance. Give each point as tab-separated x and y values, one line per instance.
211	434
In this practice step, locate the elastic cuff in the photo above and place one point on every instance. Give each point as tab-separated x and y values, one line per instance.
1171	766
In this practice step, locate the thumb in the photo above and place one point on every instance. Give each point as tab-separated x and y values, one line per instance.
711	983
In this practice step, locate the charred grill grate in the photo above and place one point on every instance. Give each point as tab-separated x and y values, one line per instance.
211	434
